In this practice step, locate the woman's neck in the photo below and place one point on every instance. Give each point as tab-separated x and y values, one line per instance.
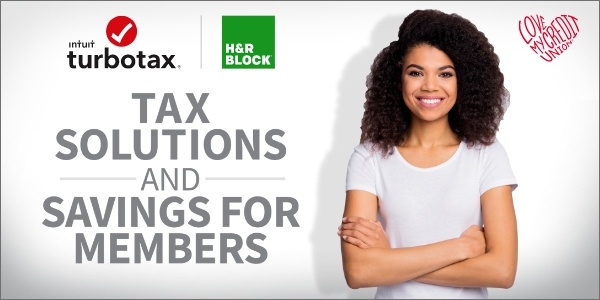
431	134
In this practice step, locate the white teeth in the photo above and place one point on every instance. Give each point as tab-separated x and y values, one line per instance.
431	101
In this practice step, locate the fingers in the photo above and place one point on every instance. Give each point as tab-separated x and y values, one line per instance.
368	240
473	229
359	231
475	240
363	233
362	221
359	228
363	229
355	241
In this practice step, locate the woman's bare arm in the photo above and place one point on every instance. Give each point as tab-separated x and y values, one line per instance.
375	266
498	266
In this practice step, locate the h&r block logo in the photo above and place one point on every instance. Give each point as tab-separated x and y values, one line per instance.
248	42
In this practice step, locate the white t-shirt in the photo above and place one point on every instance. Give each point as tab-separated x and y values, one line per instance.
419	206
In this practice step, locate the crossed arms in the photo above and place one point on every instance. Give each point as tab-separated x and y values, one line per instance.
477	258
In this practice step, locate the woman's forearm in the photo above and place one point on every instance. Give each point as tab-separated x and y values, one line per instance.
486	270
377	266
498	266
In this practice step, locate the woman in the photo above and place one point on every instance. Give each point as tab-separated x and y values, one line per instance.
430	167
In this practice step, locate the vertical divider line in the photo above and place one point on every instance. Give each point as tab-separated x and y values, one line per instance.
200	41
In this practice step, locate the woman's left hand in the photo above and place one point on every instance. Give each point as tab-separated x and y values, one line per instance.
363	233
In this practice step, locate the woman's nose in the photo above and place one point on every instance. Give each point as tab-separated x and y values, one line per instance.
429	83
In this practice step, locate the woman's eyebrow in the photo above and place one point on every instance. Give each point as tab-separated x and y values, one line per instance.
415	66
421	68
446	67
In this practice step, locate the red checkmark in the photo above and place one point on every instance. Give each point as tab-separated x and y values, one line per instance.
121	31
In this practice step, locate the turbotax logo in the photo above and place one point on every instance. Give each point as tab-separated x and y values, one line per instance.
121	31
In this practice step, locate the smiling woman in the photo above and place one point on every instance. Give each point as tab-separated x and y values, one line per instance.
428	83
429	172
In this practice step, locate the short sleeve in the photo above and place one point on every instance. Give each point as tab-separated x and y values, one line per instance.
496	170
361	170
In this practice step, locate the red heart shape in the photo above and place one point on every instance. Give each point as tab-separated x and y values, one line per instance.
549	39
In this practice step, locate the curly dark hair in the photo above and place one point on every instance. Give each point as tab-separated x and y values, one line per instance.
481	97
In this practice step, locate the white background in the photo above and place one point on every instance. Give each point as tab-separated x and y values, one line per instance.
315	94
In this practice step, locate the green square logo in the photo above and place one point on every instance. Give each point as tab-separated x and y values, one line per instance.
248	42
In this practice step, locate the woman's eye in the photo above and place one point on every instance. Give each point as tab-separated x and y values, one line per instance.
414	73
446	75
